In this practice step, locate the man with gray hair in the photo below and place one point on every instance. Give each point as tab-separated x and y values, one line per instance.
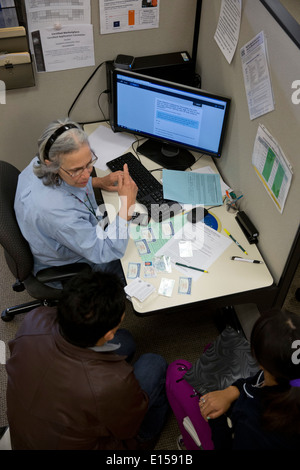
56	208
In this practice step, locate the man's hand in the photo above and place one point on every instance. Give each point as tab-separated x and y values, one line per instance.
109	182
127	190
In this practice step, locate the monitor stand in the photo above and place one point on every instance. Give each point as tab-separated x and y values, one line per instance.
168	156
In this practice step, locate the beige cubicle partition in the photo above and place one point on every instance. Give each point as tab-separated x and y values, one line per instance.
277	231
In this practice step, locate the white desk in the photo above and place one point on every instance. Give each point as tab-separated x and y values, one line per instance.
225	277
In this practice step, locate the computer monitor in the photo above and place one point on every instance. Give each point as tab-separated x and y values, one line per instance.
174	117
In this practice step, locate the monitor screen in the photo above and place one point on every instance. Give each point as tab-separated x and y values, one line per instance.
175	118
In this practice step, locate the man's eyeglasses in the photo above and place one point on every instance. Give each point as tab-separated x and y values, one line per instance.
79	171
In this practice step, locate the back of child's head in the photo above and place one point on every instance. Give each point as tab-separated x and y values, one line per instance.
275	343
92	304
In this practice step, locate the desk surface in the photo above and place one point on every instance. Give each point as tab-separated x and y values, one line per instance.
225	277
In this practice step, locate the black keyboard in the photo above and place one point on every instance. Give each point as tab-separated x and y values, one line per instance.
150	191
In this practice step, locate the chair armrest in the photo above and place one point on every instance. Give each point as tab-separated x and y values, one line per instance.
61	273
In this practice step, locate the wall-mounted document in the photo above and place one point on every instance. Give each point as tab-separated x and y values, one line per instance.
272	167
67	47
128	15
257	79
228	29
188	187
64	16
49	13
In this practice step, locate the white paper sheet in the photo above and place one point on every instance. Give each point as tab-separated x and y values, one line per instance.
68	47
43	14
108	145
139	289
228	29
63	12
257	79
207	244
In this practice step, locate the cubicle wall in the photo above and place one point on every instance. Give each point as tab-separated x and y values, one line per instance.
28	111
277	231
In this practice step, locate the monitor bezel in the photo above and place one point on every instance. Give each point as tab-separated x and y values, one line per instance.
177	86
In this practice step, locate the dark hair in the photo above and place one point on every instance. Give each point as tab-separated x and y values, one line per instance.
92	304
273	340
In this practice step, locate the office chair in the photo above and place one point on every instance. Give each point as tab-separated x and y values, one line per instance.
19	257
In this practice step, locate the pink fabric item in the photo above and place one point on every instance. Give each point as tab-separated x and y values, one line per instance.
185	402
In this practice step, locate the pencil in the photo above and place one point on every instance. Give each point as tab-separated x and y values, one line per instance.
191	267
237	243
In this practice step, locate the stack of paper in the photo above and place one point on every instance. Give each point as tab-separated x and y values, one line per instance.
139	289
188	187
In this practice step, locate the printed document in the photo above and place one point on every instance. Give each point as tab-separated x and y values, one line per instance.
68	47
128	15
188	187
44	13
257	77
207	246
72	46
272	167
228	29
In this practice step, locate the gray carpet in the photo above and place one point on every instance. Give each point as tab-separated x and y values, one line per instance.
174	336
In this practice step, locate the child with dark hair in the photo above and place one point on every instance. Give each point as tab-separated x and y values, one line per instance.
264	410
70	382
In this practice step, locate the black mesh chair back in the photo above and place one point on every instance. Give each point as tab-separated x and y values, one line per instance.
16	249
18	254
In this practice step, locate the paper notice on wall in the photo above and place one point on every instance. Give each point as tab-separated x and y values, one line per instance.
66	48
63	12
228	29
60	34
128	15
257	79
272	167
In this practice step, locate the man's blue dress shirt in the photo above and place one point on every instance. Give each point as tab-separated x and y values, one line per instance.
60	227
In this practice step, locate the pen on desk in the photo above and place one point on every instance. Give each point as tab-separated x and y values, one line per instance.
236	242
237	258
191	267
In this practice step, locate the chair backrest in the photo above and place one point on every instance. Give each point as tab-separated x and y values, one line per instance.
16	249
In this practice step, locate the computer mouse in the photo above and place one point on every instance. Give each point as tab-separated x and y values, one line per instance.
197	214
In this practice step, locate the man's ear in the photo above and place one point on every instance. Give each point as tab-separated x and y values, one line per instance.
47	162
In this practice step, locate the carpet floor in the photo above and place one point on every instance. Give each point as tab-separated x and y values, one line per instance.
174	336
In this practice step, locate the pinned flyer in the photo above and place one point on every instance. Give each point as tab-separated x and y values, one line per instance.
257	79
228	29
272	167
